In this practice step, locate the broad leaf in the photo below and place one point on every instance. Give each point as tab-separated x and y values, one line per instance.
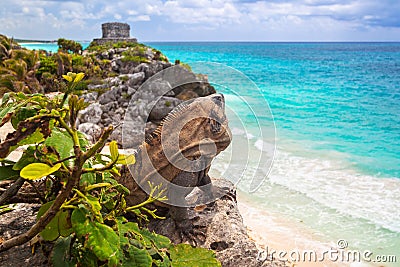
114	150
183	255
36	137
36	171
68	78
28	132
22	114
7	173
126	159
79	77
100	238
50	232
64	223
60	255
137	257
62	142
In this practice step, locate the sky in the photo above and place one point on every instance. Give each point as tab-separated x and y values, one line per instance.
205	20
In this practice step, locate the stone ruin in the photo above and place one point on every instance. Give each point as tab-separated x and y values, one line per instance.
115	32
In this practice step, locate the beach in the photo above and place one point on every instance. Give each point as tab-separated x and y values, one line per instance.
289	240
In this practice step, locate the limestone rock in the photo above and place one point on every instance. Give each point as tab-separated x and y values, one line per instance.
91	130
91	114
164	106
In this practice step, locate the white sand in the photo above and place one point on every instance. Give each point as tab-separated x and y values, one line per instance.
271	233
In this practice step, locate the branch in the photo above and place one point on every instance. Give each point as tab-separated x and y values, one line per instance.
49	215
12	190
99	144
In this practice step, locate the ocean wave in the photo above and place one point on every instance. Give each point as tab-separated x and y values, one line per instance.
324	177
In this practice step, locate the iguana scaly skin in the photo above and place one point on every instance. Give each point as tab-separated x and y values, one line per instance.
180	151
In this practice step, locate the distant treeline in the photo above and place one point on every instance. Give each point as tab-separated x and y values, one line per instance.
34	41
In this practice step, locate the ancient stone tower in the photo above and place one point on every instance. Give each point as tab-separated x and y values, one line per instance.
115	32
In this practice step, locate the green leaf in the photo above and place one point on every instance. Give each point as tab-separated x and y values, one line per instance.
22	114
83	141
36	137
5	114
36	171
100	238
151	238
62	142
114	150
50	232
27	133
137	257
6	208
26	158
87	179
79	77
95	206
60	255
183	255
68	78
64	223
7	173
60	225
5	98
126	159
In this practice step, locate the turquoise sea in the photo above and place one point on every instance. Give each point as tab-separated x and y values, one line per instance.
336	108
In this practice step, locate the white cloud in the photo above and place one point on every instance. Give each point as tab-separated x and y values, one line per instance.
229	19
139	18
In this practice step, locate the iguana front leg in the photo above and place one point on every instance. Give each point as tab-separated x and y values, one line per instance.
187	180
184	224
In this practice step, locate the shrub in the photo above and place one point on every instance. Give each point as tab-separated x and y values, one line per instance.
69	46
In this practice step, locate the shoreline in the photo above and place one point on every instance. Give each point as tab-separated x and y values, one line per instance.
274	234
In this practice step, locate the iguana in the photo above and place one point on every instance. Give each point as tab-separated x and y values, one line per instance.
180	151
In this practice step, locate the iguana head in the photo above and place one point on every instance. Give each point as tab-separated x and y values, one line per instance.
195	132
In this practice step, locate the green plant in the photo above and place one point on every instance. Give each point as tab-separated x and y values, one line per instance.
69	46
134	56
83	206
124	78
18	72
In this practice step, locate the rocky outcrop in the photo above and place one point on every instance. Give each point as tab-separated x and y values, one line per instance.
124	96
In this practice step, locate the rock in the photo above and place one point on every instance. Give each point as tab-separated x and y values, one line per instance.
163	107
97	87
135	79
151	69
91	130
16	222
110	96
132	133
91	114
131	91
90	97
